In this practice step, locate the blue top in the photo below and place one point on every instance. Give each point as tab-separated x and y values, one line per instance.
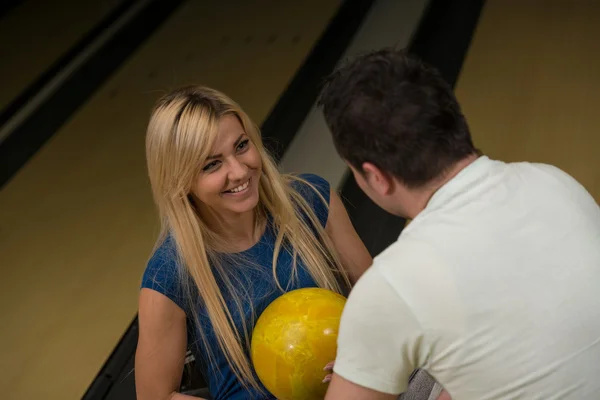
253	280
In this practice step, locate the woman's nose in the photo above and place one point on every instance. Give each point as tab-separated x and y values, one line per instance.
237	170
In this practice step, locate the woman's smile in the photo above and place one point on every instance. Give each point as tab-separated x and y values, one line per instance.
240	190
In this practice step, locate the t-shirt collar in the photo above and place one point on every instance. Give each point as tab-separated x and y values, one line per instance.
467	177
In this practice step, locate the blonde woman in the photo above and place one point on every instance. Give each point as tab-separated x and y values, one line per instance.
236	234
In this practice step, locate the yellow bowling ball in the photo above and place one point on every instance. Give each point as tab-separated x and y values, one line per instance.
293	340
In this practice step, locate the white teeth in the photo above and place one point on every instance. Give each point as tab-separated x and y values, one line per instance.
240	188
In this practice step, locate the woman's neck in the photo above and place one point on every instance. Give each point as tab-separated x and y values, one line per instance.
241	231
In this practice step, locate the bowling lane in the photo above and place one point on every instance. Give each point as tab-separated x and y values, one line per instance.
388	23
37	33
77	221
530	85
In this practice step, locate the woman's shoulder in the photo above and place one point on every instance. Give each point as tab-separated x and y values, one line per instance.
164	256
162	272
310	185
316	191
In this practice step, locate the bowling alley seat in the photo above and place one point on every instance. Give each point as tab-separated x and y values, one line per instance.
421	387
192	382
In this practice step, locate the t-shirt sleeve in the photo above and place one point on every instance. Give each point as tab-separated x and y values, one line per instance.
378	337
315	198
162	275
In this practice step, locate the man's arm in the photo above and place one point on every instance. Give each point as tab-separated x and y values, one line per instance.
379	343
340	388
344	389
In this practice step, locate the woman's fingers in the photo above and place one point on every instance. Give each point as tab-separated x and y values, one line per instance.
328	367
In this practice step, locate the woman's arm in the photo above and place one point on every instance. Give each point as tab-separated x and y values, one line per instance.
353	253
160	354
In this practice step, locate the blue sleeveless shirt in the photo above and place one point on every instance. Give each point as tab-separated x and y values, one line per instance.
253	280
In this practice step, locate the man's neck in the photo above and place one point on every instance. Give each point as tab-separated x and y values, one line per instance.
421	197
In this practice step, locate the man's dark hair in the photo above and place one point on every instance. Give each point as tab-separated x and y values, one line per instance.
391	109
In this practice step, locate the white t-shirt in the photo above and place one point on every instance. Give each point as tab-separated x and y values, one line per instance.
494	289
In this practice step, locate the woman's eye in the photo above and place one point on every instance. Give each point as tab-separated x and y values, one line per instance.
210	166
243	145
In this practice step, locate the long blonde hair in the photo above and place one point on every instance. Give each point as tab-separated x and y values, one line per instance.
180	135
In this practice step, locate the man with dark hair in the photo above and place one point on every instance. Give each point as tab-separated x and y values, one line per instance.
494	287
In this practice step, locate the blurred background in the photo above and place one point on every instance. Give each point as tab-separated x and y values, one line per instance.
78	79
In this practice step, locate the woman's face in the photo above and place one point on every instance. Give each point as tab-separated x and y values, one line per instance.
228	181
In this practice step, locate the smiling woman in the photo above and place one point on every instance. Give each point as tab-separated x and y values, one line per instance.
236	235
227	187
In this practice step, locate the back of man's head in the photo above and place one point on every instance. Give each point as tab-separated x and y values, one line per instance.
390	109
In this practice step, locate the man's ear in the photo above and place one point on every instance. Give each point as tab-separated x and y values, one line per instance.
379	181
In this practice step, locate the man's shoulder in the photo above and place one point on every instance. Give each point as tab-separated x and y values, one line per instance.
551	172
408	251
556	184
371	278
414	267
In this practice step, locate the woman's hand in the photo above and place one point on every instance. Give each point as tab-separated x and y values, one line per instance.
328	368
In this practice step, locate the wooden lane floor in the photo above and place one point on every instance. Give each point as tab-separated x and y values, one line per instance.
77	222
530	85
36	33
